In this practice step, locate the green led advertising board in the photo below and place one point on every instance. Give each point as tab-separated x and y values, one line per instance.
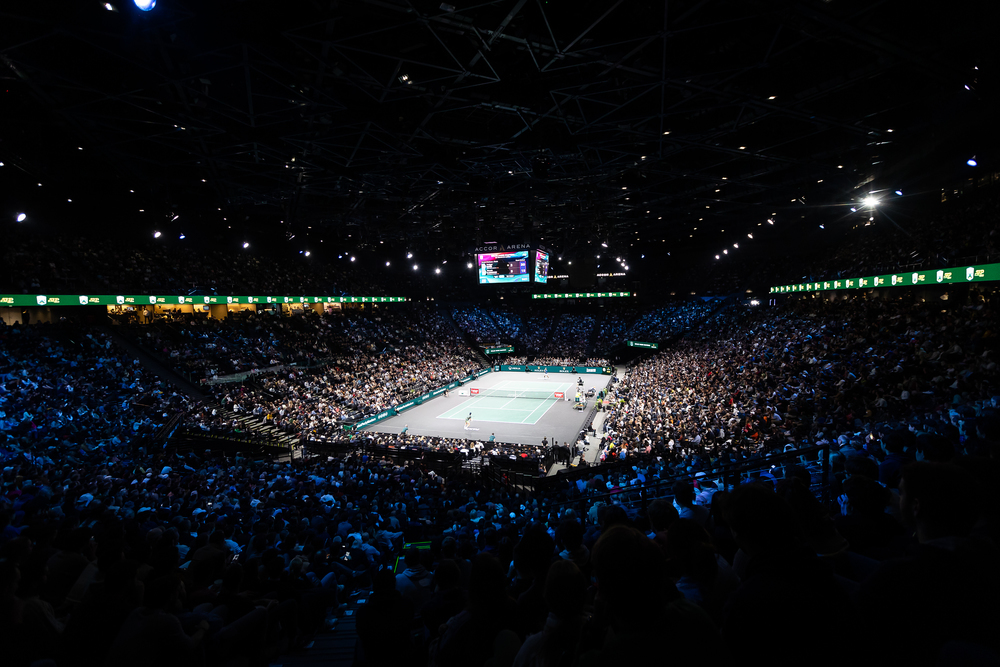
639	343
502	349
177	299
958	274
581	295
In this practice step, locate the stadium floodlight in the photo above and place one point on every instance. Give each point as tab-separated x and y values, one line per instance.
352	258
469	265
145	5
972	161
182	237
870	201
437	270
409	255
21	217
899	192
307	253
246	244
157	235
387	263
414	267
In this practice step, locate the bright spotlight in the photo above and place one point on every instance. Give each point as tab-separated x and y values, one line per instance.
307	253
21	217
469	265
717	257
854	210
822	226
111	8
604	245
870	201
414	267
182	237
145	5
352	258
971	162
438	270
725	252
157	235
409	255
246	244
770	221
387	263
899	192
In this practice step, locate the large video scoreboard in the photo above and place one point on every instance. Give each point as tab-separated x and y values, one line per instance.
541	266
503	267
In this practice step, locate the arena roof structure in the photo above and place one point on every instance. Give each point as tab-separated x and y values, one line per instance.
684	122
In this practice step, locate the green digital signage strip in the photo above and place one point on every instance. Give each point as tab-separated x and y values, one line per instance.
178	299
639	343
958	274
503	349
580	295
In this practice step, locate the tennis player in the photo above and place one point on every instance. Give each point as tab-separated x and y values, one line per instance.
468	421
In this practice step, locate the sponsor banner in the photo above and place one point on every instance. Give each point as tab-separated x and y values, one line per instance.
957	274
639	343
581	295
560	395
502	349
474	391
178	299
511	368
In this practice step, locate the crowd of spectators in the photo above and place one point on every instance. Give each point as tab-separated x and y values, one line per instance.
570	337
612	328
535	333
484	326
661	323
67	390
109	546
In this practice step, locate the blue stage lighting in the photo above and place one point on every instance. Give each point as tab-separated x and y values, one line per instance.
145	5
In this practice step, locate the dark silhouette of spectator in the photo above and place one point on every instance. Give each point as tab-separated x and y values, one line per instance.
784	584
558	641
487	626
632	584
385	624
938	601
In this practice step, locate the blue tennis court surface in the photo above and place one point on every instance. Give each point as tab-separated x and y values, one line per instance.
506	409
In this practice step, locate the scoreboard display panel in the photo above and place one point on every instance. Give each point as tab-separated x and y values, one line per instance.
503	267
541	266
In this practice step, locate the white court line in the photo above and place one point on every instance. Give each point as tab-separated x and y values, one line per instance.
551	403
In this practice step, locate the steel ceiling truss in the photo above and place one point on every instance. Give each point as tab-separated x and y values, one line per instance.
532	106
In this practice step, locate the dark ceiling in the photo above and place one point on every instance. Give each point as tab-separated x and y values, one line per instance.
551	121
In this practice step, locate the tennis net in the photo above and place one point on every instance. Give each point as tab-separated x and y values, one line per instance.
517	393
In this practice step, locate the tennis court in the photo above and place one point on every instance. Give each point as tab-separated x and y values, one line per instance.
509	407
507	418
